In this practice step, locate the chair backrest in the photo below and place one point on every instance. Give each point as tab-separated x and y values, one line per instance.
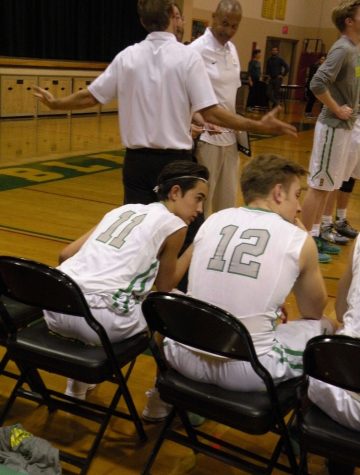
201	325
334	360
42	286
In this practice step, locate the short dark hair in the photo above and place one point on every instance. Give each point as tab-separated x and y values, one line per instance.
227	6
345	9
184	173
263	172
255	52
155	14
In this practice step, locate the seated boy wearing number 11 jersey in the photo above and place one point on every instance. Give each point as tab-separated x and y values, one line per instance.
134	246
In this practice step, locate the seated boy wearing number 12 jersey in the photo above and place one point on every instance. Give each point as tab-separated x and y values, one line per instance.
247	260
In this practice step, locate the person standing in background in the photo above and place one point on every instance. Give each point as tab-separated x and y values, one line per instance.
254	75
276	69
311	99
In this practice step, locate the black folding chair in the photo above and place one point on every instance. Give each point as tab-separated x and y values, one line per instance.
208	328
21	316
334	360
35	347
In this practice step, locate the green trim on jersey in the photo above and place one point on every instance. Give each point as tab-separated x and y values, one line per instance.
128	292
260	209
281	351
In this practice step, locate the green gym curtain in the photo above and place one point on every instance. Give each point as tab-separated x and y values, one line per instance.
87	30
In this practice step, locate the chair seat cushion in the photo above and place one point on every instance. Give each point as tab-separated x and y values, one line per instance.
248	411
72	358
20	312
322	435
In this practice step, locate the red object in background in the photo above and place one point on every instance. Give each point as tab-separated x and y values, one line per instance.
305	61
285	30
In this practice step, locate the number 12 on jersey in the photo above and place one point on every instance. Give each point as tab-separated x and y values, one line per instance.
256	248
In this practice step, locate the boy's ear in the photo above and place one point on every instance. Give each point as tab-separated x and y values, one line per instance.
175	192
278	191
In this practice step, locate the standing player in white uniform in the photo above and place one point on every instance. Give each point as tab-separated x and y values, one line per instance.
343	406
336	84
247	260
133	247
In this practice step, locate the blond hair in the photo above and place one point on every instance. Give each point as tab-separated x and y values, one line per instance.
346	9
263	172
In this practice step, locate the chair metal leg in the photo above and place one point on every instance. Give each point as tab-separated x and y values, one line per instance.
4	362
187	425
101	431
286	442
11	399
158	444
130	368
132	409
302	467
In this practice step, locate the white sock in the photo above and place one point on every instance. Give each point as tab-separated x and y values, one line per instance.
341	214
315	230
76	387
327	220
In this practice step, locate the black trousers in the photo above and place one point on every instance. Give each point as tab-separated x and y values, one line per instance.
140	172
311	99
142	167
273	91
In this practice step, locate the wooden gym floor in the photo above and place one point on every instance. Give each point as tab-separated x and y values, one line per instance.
58	177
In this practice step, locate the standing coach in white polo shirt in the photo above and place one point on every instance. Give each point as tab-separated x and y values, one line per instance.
219	152
159	84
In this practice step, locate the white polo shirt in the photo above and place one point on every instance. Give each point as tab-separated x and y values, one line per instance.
159	84
223	66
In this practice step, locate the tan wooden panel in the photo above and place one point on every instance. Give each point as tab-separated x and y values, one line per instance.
59	87
17	96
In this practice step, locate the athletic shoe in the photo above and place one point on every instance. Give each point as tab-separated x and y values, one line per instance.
330	234
344	228
322	257
78	389
156	409
195	419
326	247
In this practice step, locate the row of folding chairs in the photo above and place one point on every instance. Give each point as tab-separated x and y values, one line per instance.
27	286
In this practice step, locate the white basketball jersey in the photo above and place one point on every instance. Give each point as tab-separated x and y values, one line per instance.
118	263
351	317
246	261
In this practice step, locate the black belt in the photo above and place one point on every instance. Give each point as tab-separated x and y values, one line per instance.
159	151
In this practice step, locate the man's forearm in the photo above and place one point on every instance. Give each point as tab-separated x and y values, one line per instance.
219	116
79	100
